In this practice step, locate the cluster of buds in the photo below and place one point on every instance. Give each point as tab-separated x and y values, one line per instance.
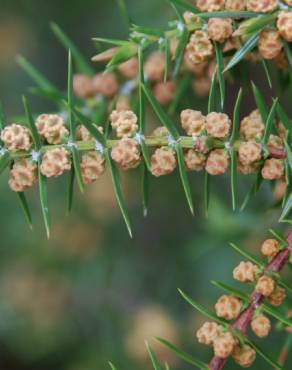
224	338
86	87
261	6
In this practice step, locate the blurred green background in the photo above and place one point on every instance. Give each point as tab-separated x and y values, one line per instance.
90	294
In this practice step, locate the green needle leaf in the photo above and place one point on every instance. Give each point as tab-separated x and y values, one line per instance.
269	122
184	177
184	5
263	354
233	156
112	366
247	255
287	209
4	161
260	102
44	200
118	191
77	168
220	68
124	12
31	123
70	190
213	93
241	53
284	118
2	117
153	358
183	355
25	207
231	290
81	63
207	192
163	117
285	286
239	14
145	188
179	53
202	309
289	153
267	72
236	117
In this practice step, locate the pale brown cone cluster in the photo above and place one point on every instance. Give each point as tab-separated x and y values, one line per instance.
16	137
235	5
86	87
252	126
217	162
262	6
92	166
220	29
82	134
270	44
284	25
210	5
23	175
126	153
55	162
245	272
273	169
200	48
51	127
124	123
228	307
193	122
163	162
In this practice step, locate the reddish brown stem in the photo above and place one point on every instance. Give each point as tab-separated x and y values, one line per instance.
243	322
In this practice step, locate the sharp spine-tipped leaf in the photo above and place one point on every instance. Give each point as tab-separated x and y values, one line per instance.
31	123
44	200
236	117
112	366
231	290
264	355
260	102
247	255
184	177
270	121
220	68
25	207
153	358
233	177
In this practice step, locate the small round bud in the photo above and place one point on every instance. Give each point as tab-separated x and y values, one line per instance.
261	326
193	122
155	66
265	285
275	143
105	84
219	29
249	152
92	166
270	248
235	5
83	134
130	68
210	5
124	122
160	131
190	18
228	307
262	6
201	85
195	161
126	153
217	162
208	332
163	162
269	44
277	297
164	92
252	126
16	137
273	169
218	125
244	356
245	272
224	345
83	86
55	162
23	175
200	48
284	25
52	128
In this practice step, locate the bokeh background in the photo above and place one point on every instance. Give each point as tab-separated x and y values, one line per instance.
90	294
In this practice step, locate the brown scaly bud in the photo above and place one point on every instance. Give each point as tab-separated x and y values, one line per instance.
228	307
245	272
83	86
210	5
249	152
195	161
247	169
275	143
92	166
200	48
23	175
193	122
163	162
270	248
55	162
261	6
261	326
277	297
273	169
201	85
219	29
124	122
284	25
130	68
218	125
16	137
244	356
155	66
269	44
164	92
217	162
126	153
252	126
208	332
105	84
265	285
235	5
160	131
224	345
82	134
191	18
52	128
